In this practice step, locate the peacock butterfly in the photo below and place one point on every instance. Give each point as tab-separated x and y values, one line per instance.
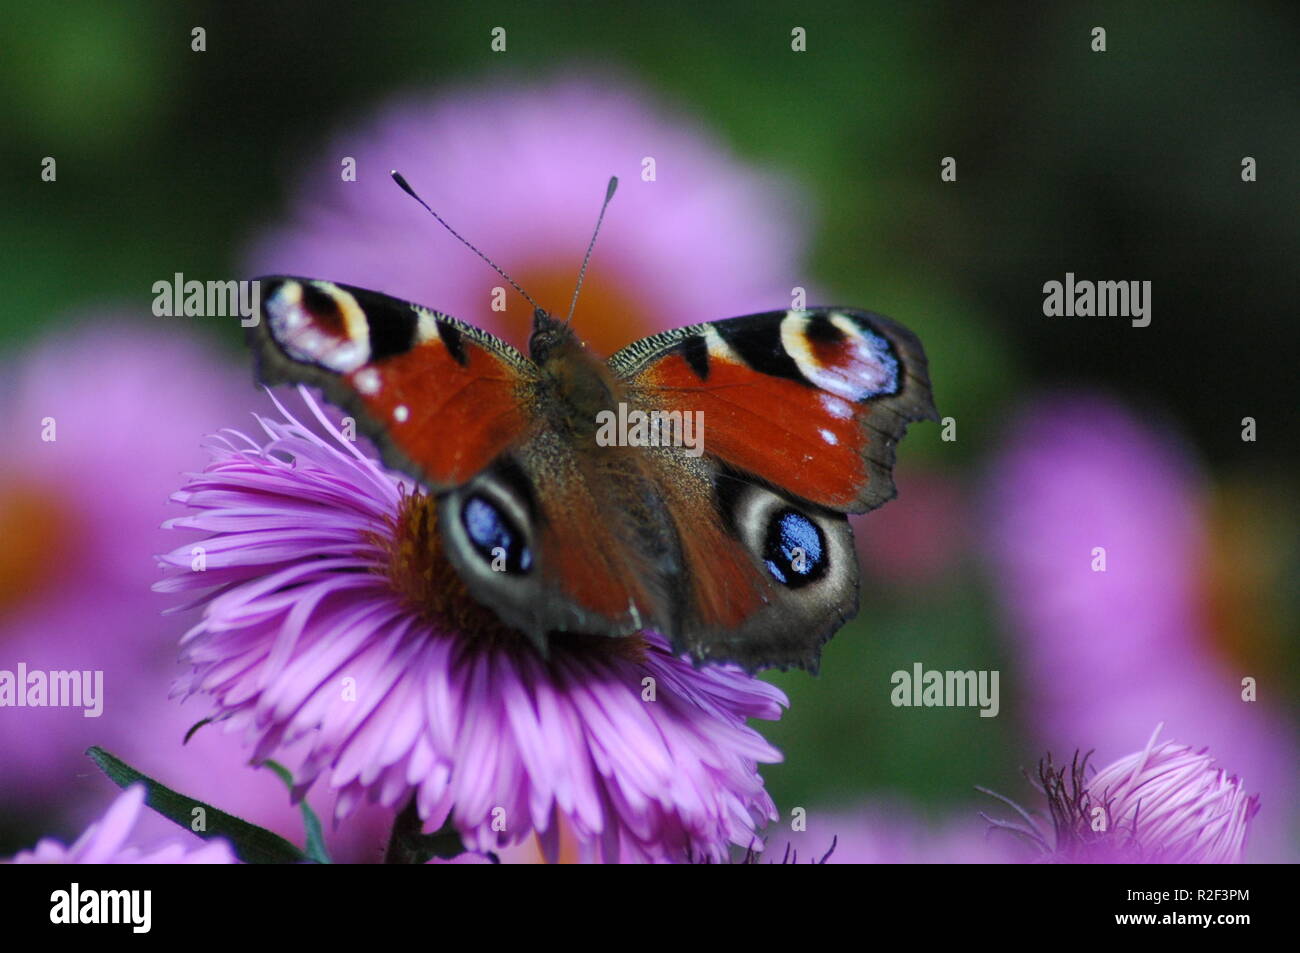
739	551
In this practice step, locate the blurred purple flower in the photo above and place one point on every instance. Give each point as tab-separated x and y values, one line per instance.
80	525
331	617
520	170
1104	654
105	842
1164	804
891	833
104	419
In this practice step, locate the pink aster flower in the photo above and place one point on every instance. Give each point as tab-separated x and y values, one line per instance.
1166	803
520	171
106	842
1174	803
332	618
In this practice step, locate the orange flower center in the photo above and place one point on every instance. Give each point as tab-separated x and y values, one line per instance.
34	541
419	572
607	318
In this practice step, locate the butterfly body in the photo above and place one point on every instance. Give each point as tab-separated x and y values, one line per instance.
736	546
573	385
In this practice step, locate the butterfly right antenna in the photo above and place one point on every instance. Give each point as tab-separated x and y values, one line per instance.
609	194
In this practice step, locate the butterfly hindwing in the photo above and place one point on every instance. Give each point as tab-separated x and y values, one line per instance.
441	398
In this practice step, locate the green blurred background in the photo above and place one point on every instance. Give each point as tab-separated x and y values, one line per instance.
1124	164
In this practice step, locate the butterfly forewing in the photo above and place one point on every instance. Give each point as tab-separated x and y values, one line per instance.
811	401
441	398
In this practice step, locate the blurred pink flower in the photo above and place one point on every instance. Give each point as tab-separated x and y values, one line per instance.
1106	654
81	518
106	842
104	420
893	833
520	171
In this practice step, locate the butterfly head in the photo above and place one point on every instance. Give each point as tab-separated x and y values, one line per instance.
551	338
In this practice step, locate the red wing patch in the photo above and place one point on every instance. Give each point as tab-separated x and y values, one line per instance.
809	401
441	398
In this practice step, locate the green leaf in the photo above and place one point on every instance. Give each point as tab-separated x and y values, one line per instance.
444	844
409	845
315	836
252	844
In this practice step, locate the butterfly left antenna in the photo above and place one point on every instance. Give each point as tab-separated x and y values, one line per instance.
406	187
609	194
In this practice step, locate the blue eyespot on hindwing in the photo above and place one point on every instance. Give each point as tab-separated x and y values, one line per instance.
494	536
794	549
